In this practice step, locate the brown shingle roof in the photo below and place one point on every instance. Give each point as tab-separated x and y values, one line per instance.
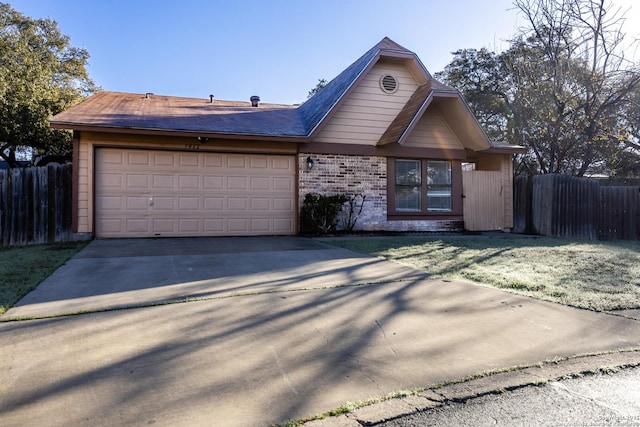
127	111
168	113
130	112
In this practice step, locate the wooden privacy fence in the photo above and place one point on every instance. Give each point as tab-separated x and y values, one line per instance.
35	205
564	206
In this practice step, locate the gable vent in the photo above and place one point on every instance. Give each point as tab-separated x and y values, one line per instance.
388	83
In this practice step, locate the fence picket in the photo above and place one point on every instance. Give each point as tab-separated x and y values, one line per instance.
564	206
35	205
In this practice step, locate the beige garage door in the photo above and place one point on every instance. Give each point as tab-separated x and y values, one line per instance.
143	193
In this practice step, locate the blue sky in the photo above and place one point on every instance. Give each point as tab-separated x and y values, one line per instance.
276	49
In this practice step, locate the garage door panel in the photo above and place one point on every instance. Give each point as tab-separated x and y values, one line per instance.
258	183
236	183
188	159
214	225
164	159
214	203
282	163
137	225
283	184
112	180
260	204
283	204
111	225
146	193
113	203
163	181
189	203
212	160
139	158
189	225
113	157
238	225
214	183
236	161
137	203
137	181
282	225
260	225
188	182
164	203
237	203
164	225
259	162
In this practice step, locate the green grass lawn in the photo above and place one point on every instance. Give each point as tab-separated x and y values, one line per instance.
22	268
591	275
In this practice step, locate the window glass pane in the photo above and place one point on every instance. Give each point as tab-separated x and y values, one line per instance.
408	172
408	185
438	198
438	186
439	173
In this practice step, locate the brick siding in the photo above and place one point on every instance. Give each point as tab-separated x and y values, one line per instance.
358	175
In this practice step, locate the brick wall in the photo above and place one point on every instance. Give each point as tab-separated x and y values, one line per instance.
351	175
358	175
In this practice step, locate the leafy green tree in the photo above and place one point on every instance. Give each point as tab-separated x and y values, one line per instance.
561	89
41	74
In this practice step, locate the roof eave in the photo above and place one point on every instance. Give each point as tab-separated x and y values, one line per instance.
179	133
505	149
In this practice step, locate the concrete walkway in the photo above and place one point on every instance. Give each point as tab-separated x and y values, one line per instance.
288	328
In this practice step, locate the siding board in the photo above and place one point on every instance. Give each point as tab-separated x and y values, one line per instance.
434	132
368	111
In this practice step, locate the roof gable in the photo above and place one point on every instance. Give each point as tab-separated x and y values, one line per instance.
420	100
319	107
126	112
454	109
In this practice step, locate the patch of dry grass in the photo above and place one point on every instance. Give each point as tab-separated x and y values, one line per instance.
592	275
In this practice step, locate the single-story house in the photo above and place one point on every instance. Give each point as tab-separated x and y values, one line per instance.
147	165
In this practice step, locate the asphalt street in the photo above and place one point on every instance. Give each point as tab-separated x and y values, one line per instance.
610	399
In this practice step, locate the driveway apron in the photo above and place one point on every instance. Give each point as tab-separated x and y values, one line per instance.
271	329
120	273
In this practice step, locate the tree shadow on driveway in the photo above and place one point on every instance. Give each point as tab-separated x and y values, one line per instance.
265	358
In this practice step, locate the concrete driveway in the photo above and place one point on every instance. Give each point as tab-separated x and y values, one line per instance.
120	273
271	329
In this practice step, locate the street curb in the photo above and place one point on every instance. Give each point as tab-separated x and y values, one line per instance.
482	385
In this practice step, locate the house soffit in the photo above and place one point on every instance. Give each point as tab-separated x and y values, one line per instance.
462	122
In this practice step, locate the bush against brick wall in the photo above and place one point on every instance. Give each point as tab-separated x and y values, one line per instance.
334	174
